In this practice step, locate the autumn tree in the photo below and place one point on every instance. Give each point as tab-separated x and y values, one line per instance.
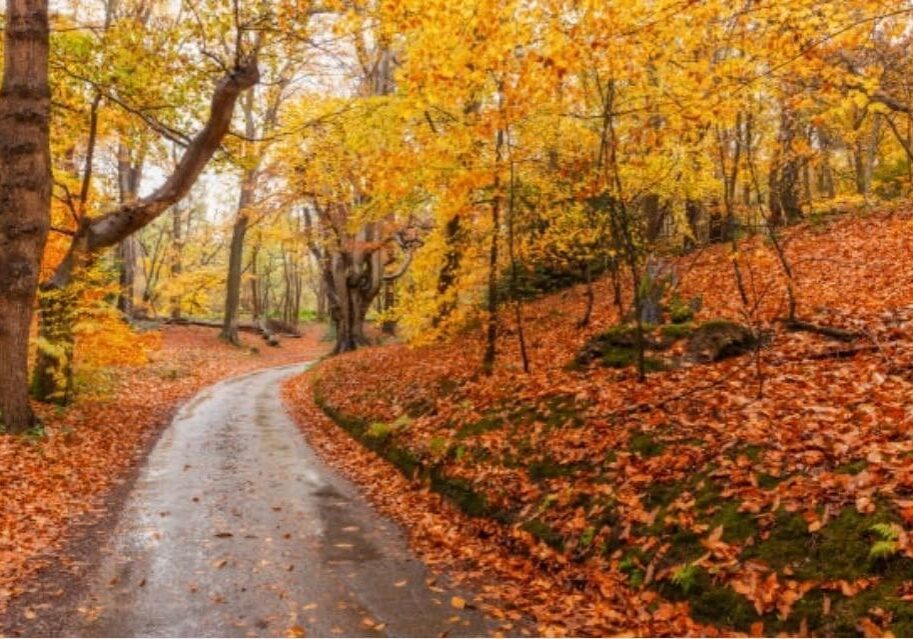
25	193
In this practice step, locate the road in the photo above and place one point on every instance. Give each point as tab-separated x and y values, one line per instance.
235	528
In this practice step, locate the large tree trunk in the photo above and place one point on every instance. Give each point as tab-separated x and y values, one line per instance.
100	233
785	175
654	216
25	196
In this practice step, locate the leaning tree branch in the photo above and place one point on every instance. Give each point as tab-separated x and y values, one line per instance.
109	229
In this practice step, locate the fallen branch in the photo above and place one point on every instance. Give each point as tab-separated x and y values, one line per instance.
248	327
833	332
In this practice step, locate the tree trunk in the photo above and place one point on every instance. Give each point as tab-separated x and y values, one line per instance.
126	264
177	267
491	336
654	216
52	380
322	300
449	270
25	196
256	308
233	285
245	200
785	175
692	237
129	175
389	325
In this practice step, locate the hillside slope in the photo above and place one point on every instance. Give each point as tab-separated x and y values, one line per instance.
770	492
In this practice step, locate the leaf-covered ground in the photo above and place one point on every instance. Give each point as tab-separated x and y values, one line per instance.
767	493
50	481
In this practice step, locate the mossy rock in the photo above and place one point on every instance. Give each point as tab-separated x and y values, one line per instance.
677	331
720	339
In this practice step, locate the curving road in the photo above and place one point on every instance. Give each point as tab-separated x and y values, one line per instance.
235	528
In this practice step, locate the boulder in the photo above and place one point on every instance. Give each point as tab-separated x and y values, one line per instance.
717	340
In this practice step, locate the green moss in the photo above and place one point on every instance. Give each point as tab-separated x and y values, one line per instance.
437	446
685	577
487	423
662	493
840	550
645	445
846	612
737	526
544	533
632	566
547	468
852	468
718	604
586	537
379	430
769	482
677	331
618	357
620	335
787	544
404	459
461	493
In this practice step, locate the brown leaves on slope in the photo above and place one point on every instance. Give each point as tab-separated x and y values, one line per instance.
593	459
48	483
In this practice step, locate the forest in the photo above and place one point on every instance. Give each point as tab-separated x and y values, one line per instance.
599	312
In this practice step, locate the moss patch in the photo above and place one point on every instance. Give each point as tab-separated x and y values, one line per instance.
645	445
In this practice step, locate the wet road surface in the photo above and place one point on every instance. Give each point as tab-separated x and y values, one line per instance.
235	528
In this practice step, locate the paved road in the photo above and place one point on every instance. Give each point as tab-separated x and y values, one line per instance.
235	528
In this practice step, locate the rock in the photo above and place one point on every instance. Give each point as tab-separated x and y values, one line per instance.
717	340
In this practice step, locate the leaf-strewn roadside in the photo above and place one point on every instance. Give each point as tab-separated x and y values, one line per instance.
50	481
762	494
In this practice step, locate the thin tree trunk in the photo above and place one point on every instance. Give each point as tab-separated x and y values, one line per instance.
25	196
233	285
491	338
511	247
129	175
177	266
590	296
239	230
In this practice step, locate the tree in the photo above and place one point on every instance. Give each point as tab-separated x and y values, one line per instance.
25	196
53	371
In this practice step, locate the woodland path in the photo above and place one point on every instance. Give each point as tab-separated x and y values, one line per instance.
235	528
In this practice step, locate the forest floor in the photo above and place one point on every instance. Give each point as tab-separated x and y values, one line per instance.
61	488
767	493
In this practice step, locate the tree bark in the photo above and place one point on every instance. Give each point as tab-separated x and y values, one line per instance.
491	334
25	197
129	175
450	269
233	284
785	175
177	266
